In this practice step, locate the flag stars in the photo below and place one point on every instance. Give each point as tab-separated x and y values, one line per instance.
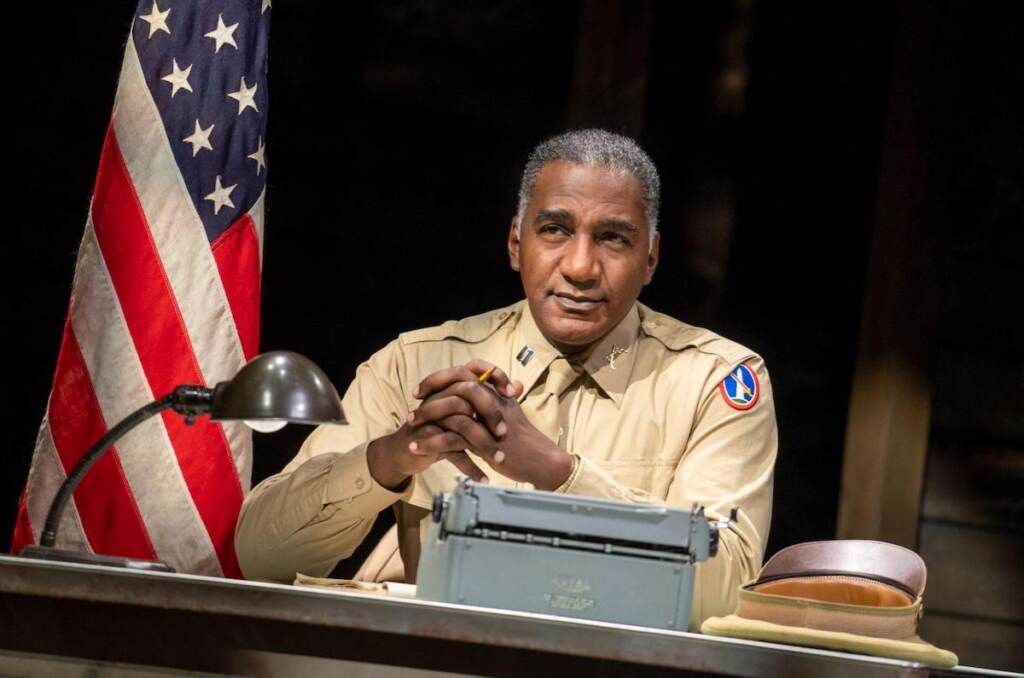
221	196
258	156
177	77
222	35
200	139
245	96
157	20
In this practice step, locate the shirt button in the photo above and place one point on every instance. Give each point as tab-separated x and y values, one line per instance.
360	483
502	315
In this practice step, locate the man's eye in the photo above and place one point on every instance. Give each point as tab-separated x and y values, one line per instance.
615	238
552	228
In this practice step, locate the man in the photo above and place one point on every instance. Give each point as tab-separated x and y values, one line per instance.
591	393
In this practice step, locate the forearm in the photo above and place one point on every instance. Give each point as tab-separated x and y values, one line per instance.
307	519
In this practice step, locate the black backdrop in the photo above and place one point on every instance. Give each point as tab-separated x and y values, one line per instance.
397	133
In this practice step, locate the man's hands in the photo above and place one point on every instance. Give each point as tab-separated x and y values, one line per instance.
393	458
460	413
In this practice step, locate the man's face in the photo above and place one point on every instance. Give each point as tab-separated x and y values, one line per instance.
583	251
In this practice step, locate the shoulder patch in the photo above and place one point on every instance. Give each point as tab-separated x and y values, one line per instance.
472	330
740	389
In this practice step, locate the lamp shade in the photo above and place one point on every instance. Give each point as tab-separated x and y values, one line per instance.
279	386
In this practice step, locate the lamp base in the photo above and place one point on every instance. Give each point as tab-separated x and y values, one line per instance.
68	556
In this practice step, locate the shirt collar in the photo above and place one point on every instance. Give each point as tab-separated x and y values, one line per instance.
609	363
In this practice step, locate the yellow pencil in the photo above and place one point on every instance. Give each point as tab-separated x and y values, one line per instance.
487	375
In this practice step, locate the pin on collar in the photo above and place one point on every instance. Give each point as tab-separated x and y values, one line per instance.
524	355
613	354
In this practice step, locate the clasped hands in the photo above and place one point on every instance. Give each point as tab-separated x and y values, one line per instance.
458	413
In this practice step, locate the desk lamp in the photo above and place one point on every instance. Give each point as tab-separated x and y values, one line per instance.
271	390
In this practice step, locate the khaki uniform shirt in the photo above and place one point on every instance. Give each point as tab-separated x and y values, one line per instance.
654	424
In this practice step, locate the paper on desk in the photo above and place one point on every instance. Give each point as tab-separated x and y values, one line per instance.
392	589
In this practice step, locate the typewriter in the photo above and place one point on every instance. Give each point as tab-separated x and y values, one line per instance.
566	555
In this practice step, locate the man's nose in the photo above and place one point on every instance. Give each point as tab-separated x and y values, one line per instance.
580	263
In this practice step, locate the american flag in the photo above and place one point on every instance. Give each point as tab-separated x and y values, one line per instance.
166	292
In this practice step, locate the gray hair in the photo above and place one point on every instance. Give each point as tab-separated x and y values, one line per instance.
594	147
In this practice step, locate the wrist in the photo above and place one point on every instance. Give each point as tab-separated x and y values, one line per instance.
577	463
382	468
561	469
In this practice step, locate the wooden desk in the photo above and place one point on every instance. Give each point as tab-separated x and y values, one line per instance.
208	624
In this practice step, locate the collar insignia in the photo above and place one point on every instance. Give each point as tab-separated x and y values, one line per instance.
524	355
614	354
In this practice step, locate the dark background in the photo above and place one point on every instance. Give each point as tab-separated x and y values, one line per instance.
398	131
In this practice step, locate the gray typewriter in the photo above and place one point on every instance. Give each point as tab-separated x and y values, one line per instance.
565	555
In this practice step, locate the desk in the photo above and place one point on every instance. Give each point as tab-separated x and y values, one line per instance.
205	624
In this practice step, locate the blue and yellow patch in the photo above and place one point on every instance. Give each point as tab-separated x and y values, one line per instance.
741	388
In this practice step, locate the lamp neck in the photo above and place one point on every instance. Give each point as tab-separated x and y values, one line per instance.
188	401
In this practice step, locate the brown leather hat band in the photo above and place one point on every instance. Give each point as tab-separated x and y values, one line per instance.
841	573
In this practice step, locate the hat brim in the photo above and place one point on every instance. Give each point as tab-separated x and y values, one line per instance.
913	649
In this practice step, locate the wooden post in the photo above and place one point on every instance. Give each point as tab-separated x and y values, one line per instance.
888	422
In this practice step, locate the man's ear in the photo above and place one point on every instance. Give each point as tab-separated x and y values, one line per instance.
513	245
652	257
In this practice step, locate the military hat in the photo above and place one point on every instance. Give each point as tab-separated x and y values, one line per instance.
850	595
